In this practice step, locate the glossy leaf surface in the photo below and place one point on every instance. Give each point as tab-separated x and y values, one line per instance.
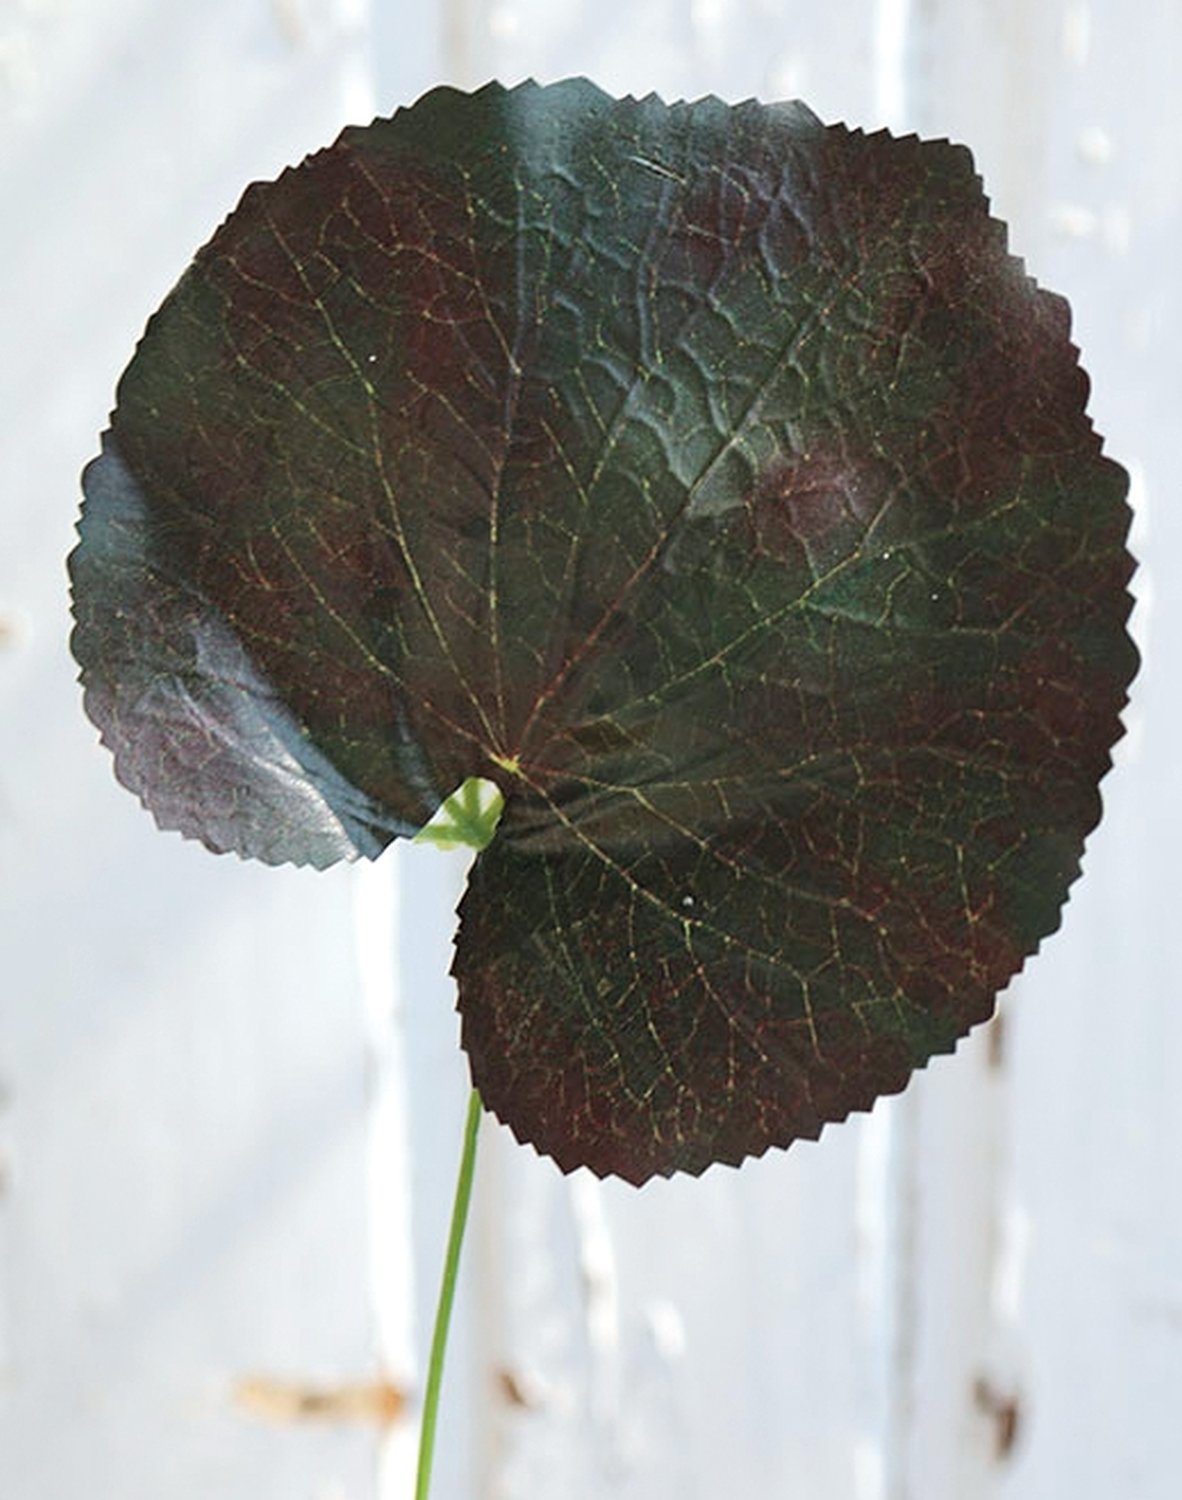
710	480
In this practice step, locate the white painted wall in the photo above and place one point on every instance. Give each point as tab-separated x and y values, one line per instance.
231	1097
183	1131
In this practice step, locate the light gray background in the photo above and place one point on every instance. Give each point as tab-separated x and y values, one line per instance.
230	1097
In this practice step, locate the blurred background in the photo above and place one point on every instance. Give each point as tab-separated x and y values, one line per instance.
231	1097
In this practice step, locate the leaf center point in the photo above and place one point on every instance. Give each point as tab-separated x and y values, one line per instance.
467	819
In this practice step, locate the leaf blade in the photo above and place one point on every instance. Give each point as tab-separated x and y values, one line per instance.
712	479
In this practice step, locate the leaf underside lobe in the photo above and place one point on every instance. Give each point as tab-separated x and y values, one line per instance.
712	481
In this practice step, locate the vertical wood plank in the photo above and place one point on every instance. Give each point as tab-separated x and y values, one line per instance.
180	1037
1071	114
892	1313
739	1333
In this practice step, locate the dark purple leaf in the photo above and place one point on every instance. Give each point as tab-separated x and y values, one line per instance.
712	481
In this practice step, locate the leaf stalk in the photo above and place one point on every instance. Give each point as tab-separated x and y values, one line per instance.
447	1292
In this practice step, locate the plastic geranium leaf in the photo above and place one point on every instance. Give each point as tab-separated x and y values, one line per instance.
711	481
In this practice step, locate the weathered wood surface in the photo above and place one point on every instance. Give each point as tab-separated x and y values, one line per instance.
231	1098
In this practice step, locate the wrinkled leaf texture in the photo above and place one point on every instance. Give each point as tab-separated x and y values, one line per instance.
710	479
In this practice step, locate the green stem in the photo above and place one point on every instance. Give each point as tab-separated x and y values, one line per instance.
447	1294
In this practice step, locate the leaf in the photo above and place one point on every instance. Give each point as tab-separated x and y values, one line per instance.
711	481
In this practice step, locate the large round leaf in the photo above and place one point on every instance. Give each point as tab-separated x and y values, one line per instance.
714	482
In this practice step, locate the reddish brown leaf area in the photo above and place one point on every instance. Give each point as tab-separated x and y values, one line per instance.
713	480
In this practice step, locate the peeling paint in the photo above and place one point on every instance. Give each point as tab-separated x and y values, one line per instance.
1112	225
504	22
874	1289
996	1033
667	1327
709	15
597	1265
892	25
1073	221
379	1402
599	1276
1077	33
1116	229
1005	1410
15	629
1009	1269
787	76
1095	146
516	1389
869	1471
290	21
